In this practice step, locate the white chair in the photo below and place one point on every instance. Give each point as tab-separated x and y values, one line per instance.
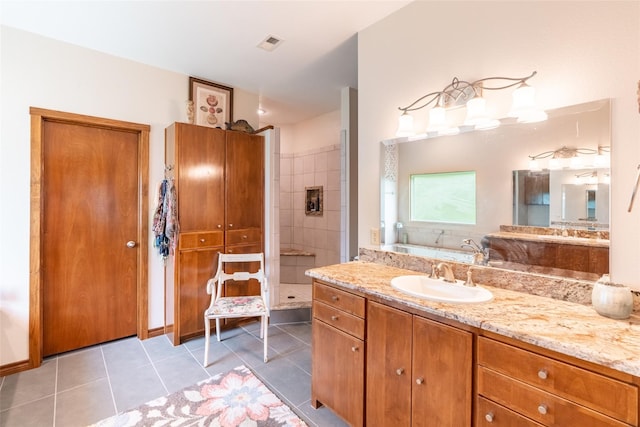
236	306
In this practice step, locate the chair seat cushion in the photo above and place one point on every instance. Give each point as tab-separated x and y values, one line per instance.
239	305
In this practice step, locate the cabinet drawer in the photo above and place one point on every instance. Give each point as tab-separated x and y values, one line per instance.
539	405
342	300
199	240
242	236
609	396
490	414
339	319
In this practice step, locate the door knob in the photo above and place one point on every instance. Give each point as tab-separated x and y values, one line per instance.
131	244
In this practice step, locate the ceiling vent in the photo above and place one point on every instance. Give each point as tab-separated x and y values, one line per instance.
270	43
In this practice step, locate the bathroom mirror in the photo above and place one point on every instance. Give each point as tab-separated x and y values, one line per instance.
572	198
494	155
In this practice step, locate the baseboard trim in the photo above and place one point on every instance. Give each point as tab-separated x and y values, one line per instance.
156	332
14	368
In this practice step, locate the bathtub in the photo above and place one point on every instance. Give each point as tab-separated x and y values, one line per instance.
427	251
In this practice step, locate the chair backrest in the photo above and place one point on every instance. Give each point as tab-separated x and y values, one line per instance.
221	276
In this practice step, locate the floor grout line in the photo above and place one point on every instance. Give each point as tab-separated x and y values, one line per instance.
55	391
106	370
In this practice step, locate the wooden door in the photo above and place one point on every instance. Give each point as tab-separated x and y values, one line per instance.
442	370
388	394
90	232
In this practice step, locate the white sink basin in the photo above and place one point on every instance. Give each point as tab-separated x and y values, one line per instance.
441	291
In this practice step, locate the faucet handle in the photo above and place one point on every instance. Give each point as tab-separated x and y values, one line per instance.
434	272
469	281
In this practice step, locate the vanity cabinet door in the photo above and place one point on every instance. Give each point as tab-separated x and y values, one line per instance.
388	399
337	372
419	371
442	374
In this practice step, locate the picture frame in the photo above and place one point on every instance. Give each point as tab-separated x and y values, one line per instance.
212	103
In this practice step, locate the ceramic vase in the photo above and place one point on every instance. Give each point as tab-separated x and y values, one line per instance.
611	299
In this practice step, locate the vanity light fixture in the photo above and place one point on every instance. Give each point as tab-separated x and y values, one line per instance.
471	94
590	177
572	158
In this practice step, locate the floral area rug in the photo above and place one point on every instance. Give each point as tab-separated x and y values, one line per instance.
235	398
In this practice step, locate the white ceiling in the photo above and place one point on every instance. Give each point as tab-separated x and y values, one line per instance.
217	41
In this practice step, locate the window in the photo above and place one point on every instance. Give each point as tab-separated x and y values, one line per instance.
444	197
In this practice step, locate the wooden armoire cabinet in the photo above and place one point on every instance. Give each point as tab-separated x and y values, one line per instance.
219	180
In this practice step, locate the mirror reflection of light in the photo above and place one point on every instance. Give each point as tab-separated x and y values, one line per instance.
204	171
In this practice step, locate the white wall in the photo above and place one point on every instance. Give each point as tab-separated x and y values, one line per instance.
44	73
311	134
593	55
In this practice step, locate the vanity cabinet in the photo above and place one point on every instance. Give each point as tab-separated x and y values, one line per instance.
219	181
338	352
517	386
419	372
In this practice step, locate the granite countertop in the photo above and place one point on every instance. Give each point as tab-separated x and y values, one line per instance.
568	328
569	240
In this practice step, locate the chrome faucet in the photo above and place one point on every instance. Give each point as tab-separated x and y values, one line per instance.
480	254
447	272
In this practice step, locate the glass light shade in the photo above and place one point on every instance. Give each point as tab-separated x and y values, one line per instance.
405	125
576	162
523	105
437	119
534	165
555	163
476	111
602	160
522	99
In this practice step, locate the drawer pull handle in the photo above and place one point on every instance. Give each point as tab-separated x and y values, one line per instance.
201	240
419	380
354	348
334	318
399	371
244	236
542	408
489	417
334	298
542	374
230	225
219	225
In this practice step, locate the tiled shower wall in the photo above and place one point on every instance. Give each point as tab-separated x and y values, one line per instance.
317	234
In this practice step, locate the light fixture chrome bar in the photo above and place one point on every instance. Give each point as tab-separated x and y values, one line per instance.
462	90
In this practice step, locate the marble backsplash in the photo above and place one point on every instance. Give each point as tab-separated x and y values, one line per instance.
554	231
560	288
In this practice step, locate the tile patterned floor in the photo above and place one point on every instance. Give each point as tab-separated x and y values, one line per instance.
82	387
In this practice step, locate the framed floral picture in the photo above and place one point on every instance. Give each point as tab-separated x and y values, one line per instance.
212	103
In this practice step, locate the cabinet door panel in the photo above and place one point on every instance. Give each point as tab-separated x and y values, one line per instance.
196	268
338	372
244	181
442	364
388	366
200	160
